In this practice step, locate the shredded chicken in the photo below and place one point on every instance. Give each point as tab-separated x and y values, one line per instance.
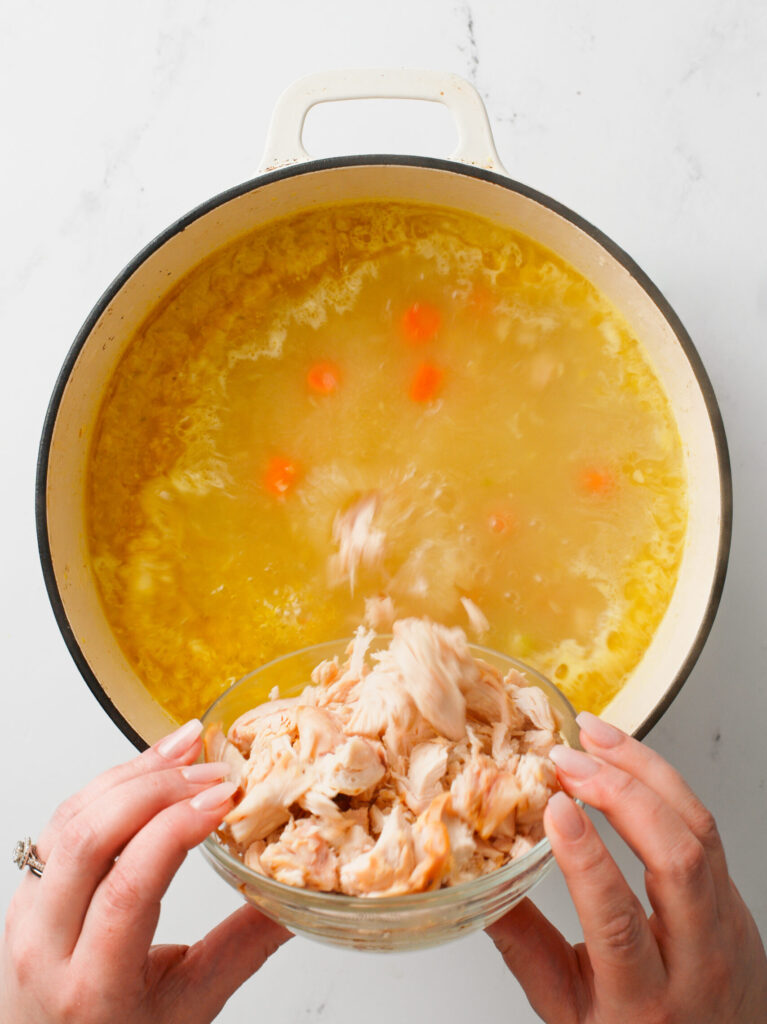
477	618
428	764
434	663
379	613
318	732
411	768
359	543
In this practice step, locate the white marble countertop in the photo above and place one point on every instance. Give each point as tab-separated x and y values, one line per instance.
650	120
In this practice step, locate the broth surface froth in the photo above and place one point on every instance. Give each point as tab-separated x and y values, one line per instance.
490	412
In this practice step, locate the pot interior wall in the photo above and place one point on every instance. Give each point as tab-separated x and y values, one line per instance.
664	660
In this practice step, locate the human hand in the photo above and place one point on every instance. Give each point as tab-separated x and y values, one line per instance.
697	960
77	940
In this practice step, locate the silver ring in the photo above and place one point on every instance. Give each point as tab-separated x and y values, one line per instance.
25	856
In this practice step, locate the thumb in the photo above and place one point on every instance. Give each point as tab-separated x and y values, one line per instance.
215	967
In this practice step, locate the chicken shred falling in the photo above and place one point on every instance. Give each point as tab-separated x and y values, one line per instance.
402	770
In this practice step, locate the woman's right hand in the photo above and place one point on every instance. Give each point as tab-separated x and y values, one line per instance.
77	944
697	960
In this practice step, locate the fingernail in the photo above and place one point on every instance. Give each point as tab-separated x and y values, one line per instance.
574	763
599	731
210	799
208	772
565	816
179	741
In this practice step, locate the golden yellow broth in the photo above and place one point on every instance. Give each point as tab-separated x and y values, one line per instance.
545	481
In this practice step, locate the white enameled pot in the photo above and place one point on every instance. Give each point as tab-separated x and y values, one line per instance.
473	180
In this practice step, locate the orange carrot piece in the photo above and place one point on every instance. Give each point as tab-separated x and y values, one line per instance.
280	475
501	522
595	480
323	378
426	383
420	322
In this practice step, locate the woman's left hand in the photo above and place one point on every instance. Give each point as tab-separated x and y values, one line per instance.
697	959
77	944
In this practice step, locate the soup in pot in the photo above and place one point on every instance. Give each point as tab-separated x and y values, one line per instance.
379	410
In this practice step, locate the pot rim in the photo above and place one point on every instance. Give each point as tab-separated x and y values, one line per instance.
359	160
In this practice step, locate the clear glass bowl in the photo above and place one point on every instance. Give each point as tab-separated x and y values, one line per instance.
387	923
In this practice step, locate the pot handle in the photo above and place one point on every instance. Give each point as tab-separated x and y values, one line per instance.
475	139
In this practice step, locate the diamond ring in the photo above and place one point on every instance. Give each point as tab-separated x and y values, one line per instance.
25	856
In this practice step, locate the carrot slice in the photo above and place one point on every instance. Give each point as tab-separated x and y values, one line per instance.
501	522
426	383
502	517
420	322
280	475
323	378
596	480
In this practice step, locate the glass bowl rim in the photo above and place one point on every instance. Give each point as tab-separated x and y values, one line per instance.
539	856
